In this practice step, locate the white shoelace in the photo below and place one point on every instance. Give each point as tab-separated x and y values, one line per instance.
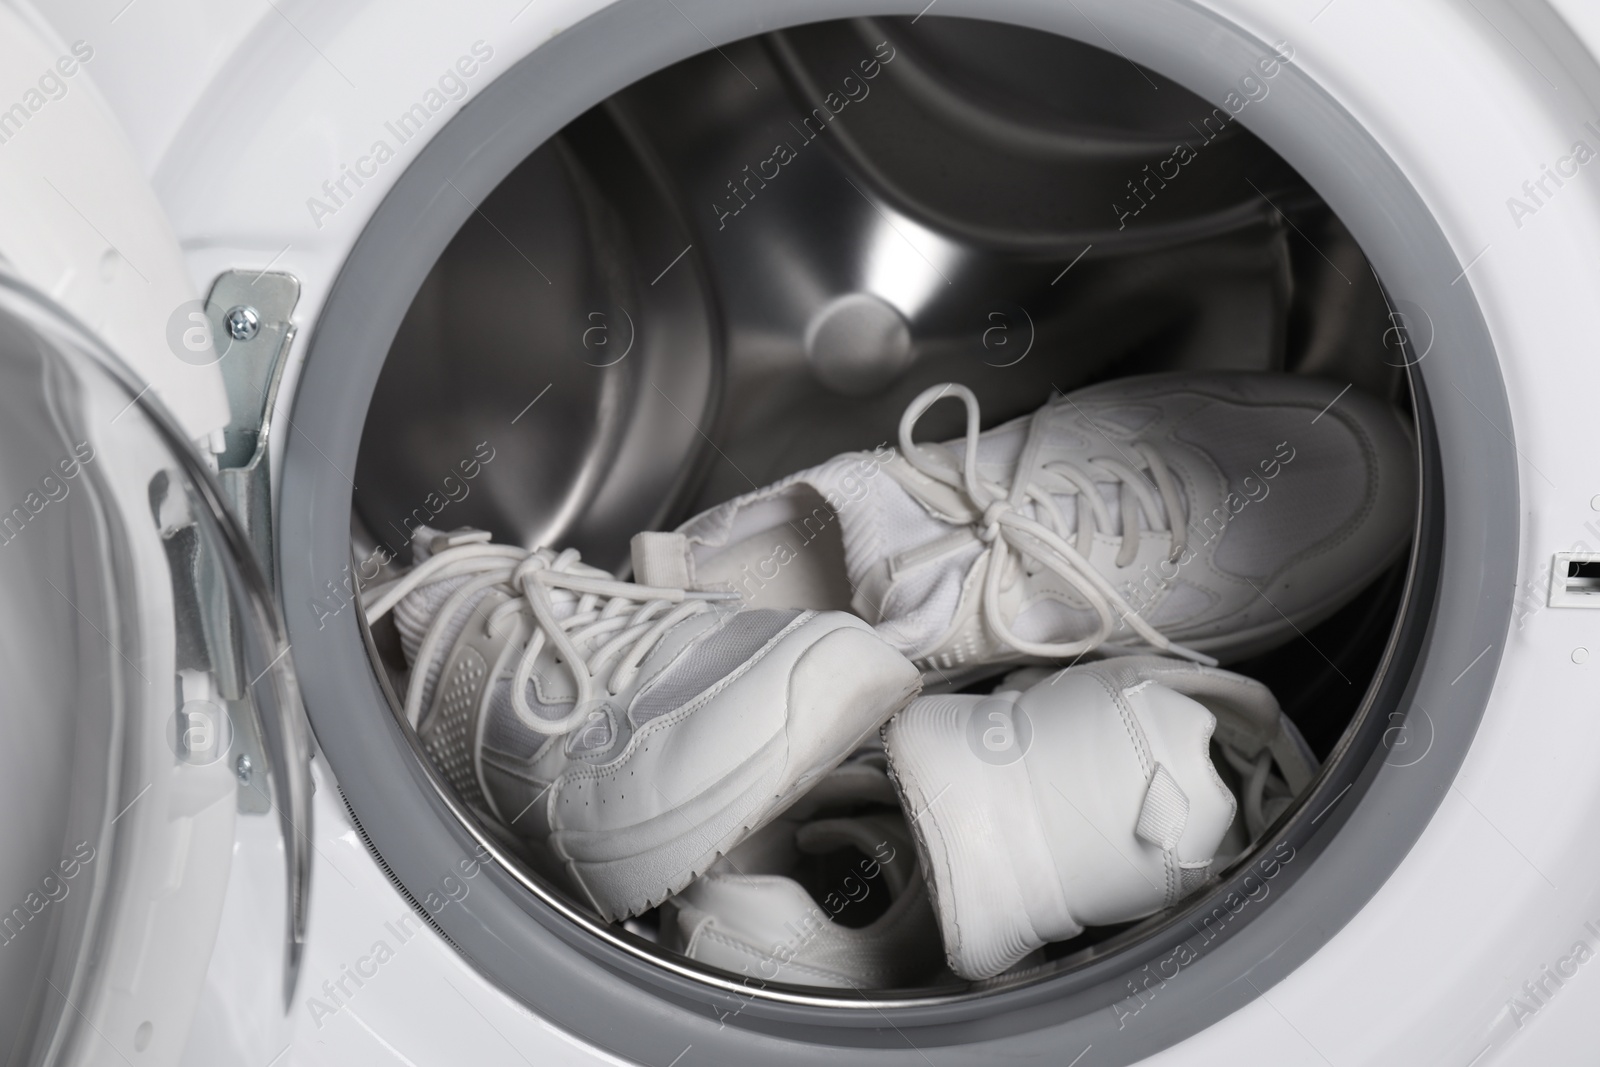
1013	538
634	616
1259	778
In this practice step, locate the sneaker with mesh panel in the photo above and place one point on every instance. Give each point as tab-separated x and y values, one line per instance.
1206	515
627	735
828	894
1088	798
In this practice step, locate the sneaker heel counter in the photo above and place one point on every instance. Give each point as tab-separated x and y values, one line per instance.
849	680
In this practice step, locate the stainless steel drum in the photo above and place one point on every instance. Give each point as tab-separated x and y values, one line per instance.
700	287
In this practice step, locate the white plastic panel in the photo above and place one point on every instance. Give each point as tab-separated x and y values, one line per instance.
82	224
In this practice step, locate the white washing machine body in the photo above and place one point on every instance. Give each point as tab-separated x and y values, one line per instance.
271	141
152	794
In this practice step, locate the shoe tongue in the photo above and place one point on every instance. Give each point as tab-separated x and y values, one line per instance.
998	451
915	607
418	610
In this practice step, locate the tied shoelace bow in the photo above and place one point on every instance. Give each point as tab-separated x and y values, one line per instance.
1015	539
634	616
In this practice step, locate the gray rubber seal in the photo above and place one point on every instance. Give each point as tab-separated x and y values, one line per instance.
1263	922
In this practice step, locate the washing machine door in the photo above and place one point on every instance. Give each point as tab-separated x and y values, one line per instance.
149	709
150	705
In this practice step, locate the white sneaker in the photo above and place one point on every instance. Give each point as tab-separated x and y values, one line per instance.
749	914
1089	799
1266	782
1265	775
1205	515
628	734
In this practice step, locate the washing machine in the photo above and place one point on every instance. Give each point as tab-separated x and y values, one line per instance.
280	284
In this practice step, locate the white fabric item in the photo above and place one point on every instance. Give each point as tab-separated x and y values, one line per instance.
629	734
750	916
1266	780
1100	806
739	546
1205	515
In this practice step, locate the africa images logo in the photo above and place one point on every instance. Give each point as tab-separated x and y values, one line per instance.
812	125
1249	89
50	86
451	87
